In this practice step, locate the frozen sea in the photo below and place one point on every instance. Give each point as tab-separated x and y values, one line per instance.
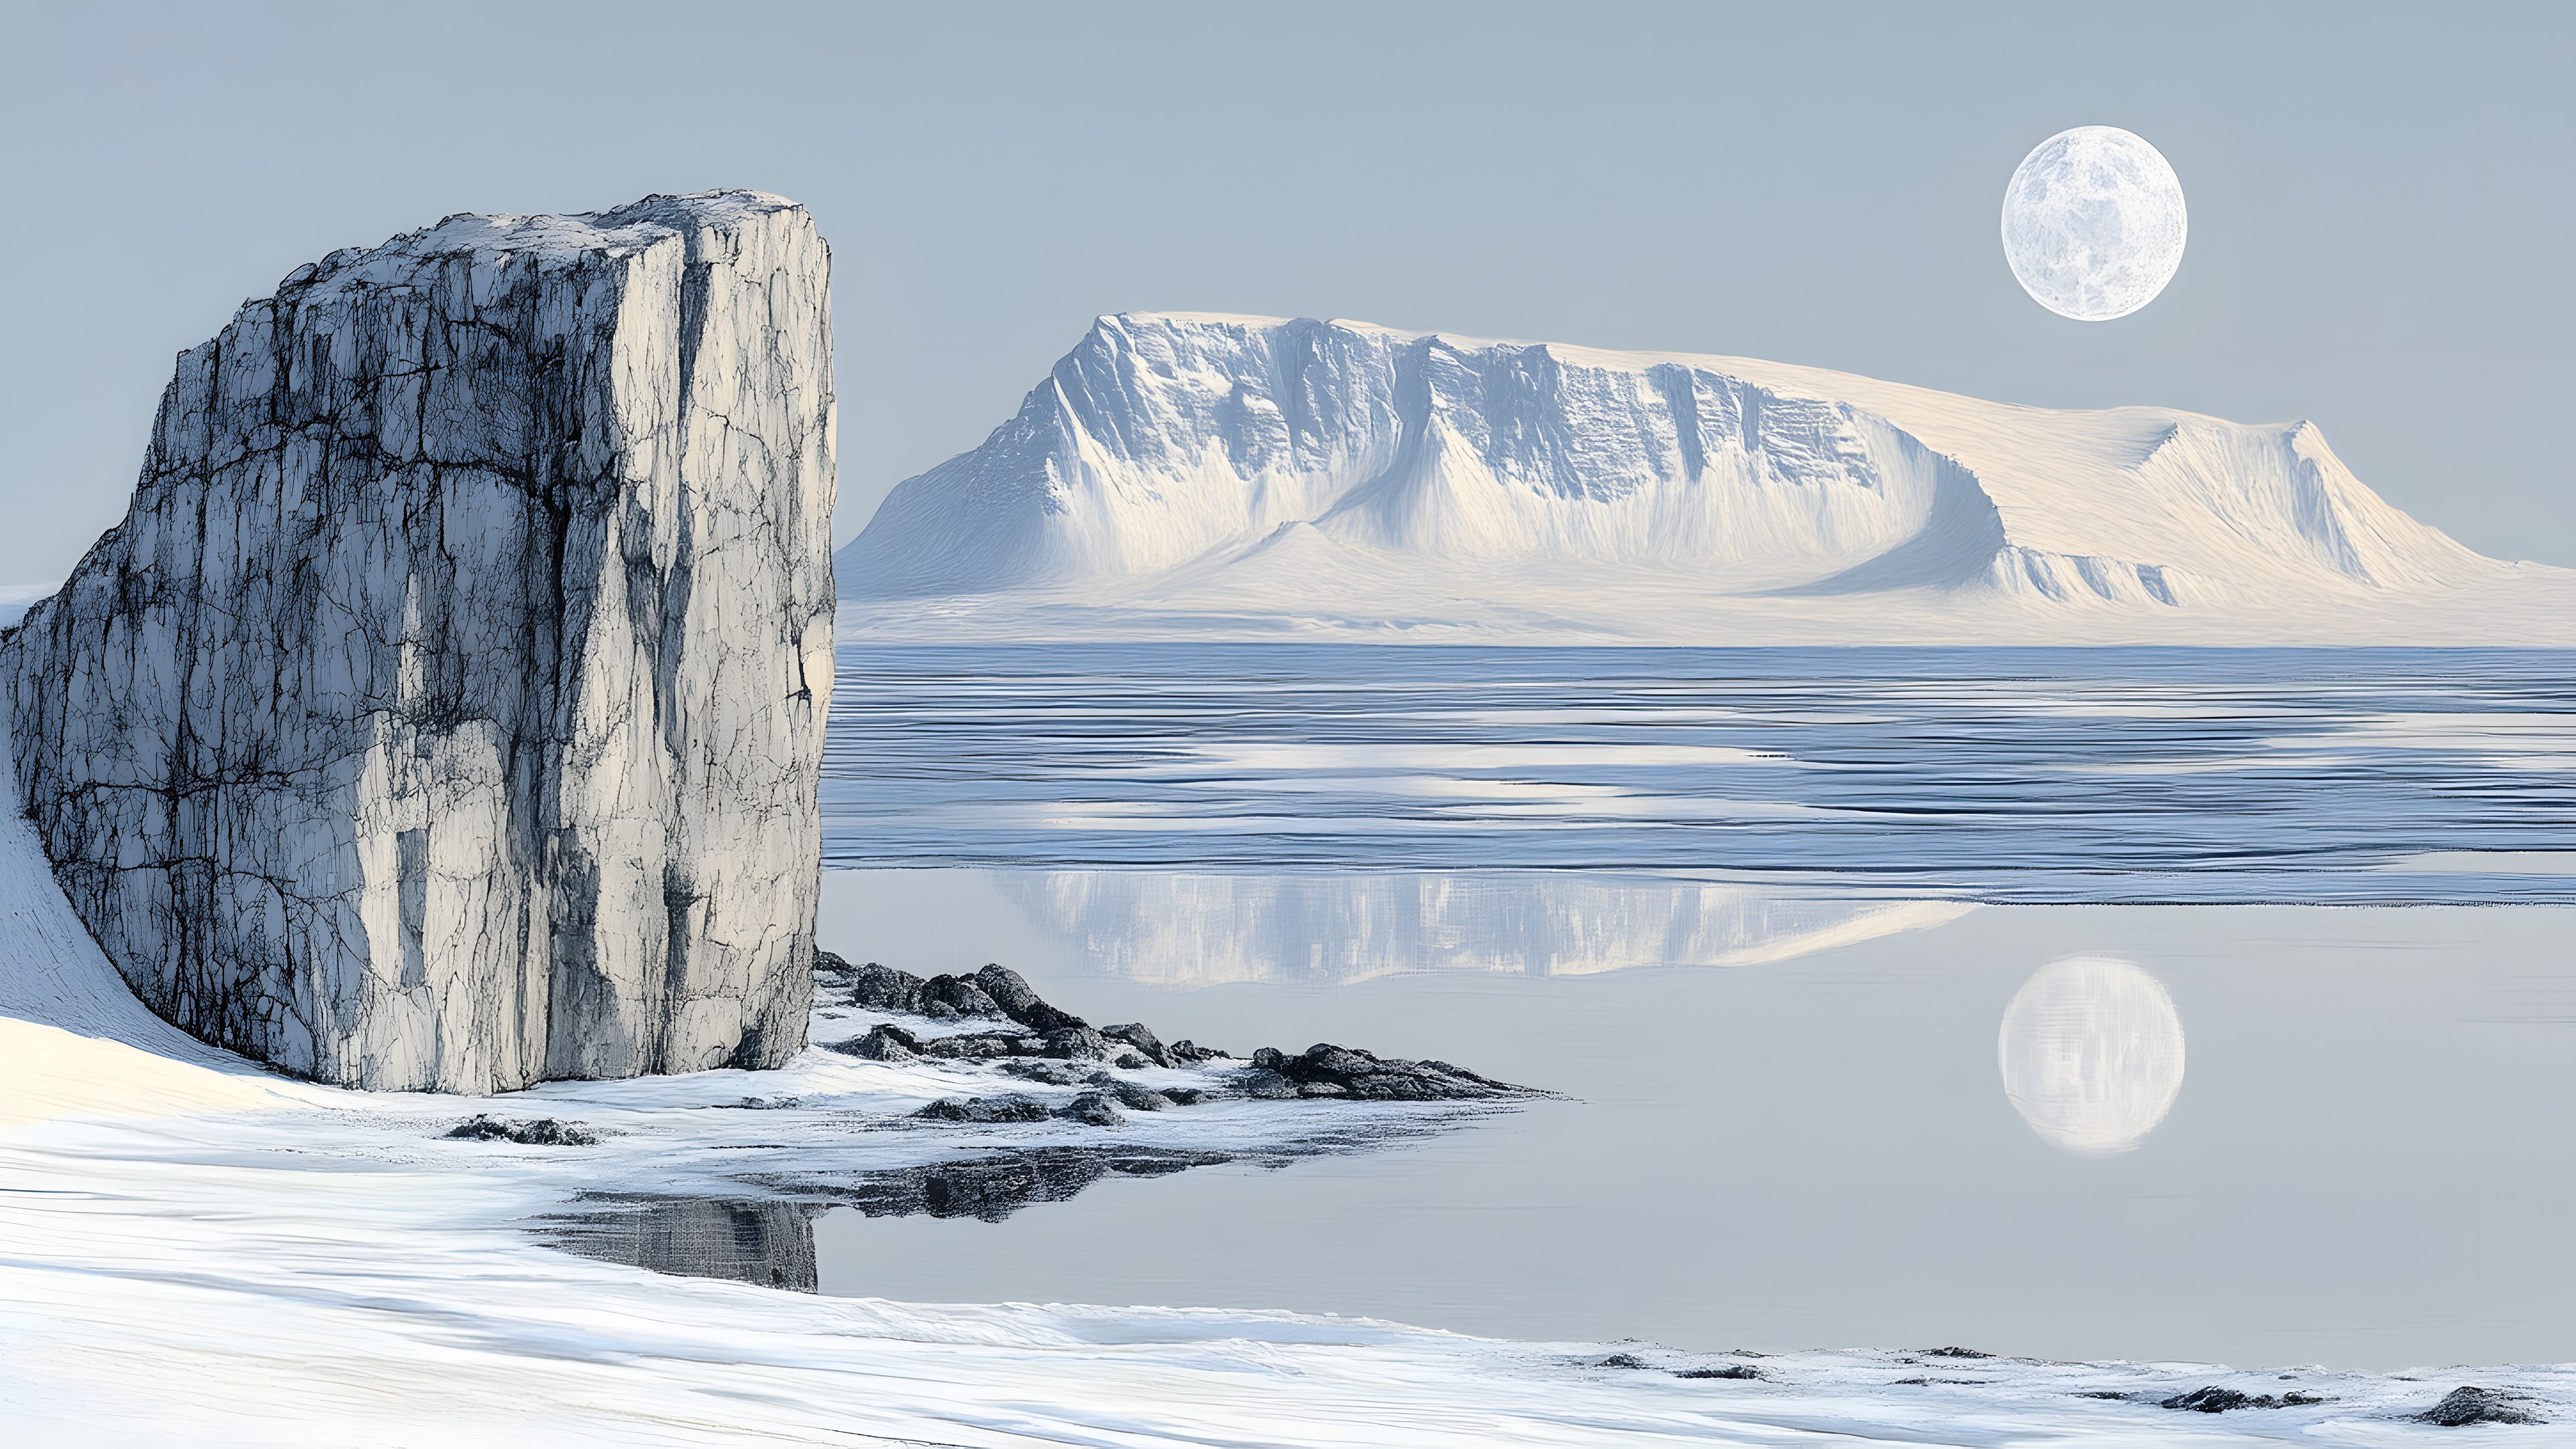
1761	916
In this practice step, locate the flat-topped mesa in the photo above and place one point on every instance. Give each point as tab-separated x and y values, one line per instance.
447	712
1214	465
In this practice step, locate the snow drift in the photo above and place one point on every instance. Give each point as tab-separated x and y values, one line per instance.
1234	466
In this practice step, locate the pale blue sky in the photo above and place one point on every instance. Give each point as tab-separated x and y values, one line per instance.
2380	201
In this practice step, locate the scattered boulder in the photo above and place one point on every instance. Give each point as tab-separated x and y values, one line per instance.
946	997
1077	1043
1012	994
1267	1085
1053	1073
2469	1404
1186	1052
1094	1108
1326	1070
1140	1036
537	1132
2216	1400
1013	1108
885	1042
982	1046
1131	1096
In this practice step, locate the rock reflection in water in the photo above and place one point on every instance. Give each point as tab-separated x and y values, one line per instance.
1204	929
770	1243
994	1187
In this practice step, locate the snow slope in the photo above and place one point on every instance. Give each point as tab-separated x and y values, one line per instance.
1187	473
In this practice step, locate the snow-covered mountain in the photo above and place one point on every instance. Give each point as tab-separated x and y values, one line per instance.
1183	473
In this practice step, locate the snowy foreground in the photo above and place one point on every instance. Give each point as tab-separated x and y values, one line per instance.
197	1251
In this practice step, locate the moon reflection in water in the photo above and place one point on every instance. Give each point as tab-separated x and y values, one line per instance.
2092	1054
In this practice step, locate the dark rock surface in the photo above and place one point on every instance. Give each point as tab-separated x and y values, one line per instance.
536	1132
1722	1371
1325	1070
2469	1404
1140	1036
447	711
986	1109
2217	1400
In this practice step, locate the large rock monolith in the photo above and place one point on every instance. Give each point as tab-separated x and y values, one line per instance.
447	711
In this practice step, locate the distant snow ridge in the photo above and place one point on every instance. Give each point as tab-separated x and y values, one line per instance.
1234	458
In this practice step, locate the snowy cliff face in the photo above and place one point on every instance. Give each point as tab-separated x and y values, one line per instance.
1252	461
447	712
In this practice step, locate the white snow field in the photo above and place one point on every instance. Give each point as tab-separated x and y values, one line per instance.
195	1251
1250	477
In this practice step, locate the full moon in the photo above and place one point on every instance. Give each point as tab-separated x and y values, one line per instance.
2093	223
2092	1054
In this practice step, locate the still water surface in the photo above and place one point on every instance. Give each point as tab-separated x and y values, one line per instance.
1762	917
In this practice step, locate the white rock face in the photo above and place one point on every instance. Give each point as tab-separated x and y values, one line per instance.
1194	469
448	710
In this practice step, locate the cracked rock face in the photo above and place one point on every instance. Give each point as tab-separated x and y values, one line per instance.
447	712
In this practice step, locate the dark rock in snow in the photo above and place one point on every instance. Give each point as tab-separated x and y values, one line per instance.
2469	1404
878	988
1722	1371
1189	1053
1053	1073
2217	1400
981	1046
1263	1083
537	1132
943	997
1094	1108
1021	1004
885	1042
1077	1043
1956	1352
986	1109
1132	1096
1140	1036
1623	1361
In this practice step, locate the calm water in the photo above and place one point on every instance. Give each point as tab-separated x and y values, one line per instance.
1764	922
2023	775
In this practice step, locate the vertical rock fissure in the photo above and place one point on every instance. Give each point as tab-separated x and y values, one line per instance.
429	715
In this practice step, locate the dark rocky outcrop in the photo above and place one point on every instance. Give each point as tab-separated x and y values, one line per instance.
2469	1404
536	1132
986	1109
1054	1046
1325	1070
447	711
2215	1399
